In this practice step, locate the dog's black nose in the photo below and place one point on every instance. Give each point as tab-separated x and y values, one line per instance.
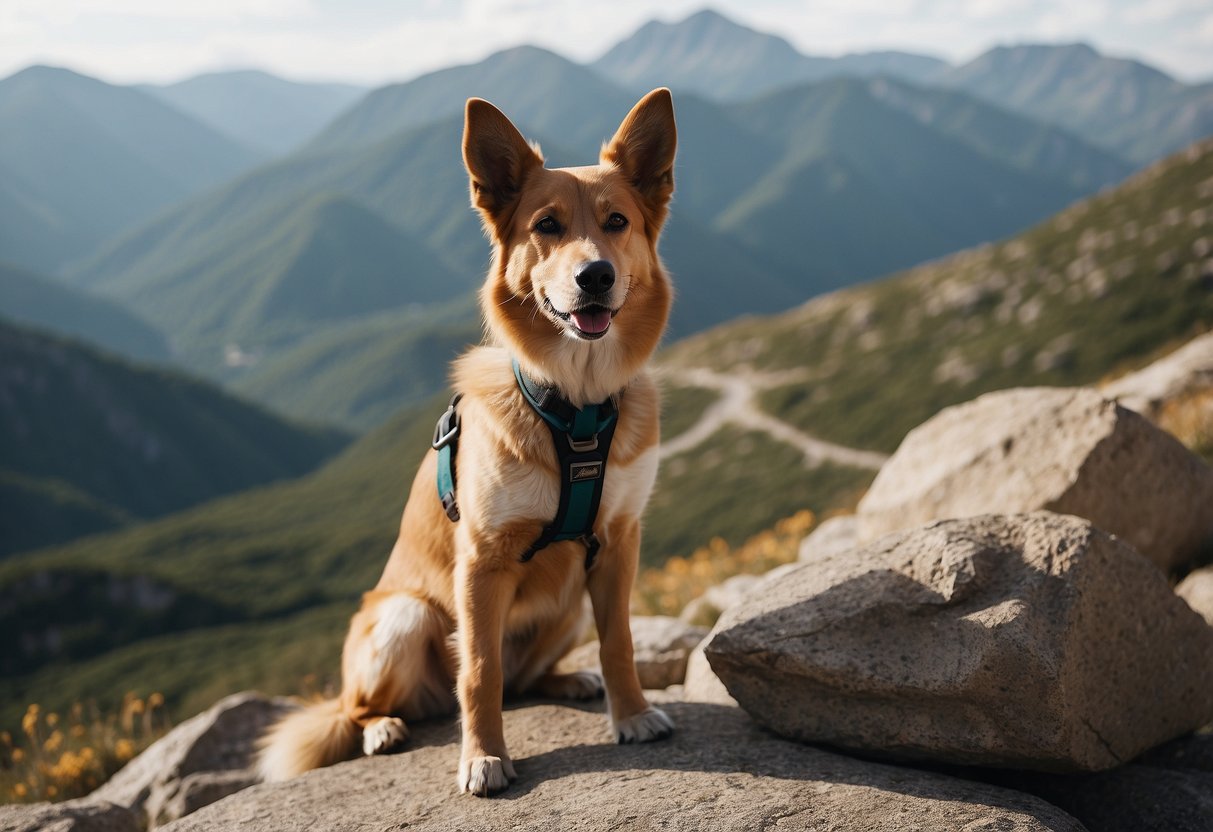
596	277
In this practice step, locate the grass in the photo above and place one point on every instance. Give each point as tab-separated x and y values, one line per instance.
682	406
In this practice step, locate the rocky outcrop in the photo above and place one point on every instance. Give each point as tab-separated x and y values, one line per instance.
1197	590
837	534
1034	641
1064	450
69	816
1187	370
718	772
202	760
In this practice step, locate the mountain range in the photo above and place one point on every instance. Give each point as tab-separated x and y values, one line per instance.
82	160
257	109
269	577
779	198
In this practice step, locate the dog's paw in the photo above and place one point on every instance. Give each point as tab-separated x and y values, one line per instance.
485	776
583	684
383	735
648	725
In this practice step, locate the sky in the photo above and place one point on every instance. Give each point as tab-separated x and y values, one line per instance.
373	42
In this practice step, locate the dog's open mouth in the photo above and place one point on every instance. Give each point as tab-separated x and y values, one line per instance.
589	322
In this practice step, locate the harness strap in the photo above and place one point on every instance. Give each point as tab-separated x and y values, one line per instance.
581	439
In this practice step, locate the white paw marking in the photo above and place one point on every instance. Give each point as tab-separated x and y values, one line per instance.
484	776
646	726
383	735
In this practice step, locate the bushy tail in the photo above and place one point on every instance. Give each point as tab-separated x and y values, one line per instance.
314	736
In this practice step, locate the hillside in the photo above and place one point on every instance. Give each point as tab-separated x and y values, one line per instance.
258	109
1122	105
81	160
90	442
864	161
1100	288
713	56
37	301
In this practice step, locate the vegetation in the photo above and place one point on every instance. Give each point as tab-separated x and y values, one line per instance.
57	756
89	442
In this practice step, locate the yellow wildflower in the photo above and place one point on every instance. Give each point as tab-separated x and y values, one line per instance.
53	741
18	755
20	790
124	749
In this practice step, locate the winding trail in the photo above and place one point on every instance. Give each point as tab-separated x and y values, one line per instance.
737	406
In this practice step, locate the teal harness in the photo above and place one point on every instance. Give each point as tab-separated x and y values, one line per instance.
582	440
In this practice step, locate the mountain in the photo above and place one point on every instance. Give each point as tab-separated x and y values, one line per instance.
271	576
33	300
558	98
81	160
258	109
105	442
715	57
778	199
864	161
301	265
1122	105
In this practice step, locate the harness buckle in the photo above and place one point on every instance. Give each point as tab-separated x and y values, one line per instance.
583	446
450	506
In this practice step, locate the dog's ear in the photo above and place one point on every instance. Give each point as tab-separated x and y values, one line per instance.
643	148
498	159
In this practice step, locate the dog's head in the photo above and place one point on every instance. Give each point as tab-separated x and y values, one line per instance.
576	290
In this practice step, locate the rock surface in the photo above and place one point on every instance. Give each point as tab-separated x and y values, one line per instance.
702	684
1064	450
834	535
1029	641
661	645
165	780
1197	590
69	816
1188	369
718	772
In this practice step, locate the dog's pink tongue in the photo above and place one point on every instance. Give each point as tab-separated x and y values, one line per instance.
592	322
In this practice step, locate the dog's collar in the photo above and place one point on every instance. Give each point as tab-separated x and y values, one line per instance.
557	411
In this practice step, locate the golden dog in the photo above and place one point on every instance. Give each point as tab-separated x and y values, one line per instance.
577	296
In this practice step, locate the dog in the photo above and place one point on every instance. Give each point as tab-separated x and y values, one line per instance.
575	301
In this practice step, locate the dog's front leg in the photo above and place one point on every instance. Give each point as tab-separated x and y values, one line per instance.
633	719
483	593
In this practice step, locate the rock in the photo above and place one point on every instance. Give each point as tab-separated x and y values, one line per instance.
702	684
202	789
69	816
1030	641
1197	590
216	741
716	599
1064	450
1188	369
718	772
833	536
661	645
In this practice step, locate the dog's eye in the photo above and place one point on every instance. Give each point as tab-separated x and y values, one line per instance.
547	225
616	222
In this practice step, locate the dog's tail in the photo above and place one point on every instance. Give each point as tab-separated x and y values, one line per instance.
316	735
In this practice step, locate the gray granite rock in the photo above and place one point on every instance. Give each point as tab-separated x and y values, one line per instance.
1064	450
69	816
718	772
1197	590
1026	641
837	534
661	645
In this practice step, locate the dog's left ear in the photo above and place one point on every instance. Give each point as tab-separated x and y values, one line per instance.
498	160
643	148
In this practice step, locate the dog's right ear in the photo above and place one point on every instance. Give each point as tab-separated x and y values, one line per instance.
498	159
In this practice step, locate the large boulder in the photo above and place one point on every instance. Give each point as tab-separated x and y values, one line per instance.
837	534
200	761
1065	450
718	772
1031	641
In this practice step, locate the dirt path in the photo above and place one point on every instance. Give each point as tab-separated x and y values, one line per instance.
737	406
